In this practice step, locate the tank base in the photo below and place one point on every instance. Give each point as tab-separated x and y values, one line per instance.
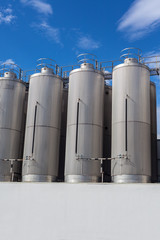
16	178
81	178
131	179
38	178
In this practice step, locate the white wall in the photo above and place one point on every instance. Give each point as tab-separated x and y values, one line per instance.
59	211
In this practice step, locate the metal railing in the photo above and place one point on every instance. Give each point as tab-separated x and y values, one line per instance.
107	68
42	63
11	67
27	74
48	63
88	58
69	68
81	58
131	52
153	62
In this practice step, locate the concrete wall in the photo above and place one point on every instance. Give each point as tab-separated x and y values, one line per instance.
60	211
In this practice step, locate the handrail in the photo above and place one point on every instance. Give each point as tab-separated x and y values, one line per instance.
131	52
11	67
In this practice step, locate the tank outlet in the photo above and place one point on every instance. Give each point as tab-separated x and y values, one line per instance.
131	60
47	70
87	66
11	75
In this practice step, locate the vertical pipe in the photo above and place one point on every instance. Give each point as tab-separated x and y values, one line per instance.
154	162
131	125
107	132
77	122
126	140
20	74
34	127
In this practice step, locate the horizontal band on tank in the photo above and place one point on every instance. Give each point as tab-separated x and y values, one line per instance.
122	65
8	178
44	127
5	178
38	178
131	122
85	124
81	178
13	80
11	129
131	179
45	75
87	70
11	159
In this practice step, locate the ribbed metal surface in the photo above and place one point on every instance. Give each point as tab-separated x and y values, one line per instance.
131	178
131	138
84	124
41	148
107	132
12	96
154	162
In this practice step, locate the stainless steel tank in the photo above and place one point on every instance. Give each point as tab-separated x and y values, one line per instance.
84	124
63	134
12	96
107	132
41	148
131	126
154	162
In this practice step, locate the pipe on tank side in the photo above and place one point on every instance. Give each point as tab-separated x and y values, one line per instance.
154	162
86	85
41	148
107	132
131	80
107	137
63	135
12	92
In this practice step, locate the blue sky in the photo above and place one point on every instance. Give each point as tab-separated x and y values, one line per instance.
31	29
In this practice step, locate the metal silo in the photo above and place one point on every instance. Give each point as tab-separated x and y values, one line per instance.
12	96
131	127
41	148
107	132
154	162
84	124
63	134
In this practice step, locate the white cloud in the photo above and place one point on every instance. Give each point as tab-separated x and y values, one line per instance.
8	10
8	62
87	43
39	6
50	32
141	18
6	16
